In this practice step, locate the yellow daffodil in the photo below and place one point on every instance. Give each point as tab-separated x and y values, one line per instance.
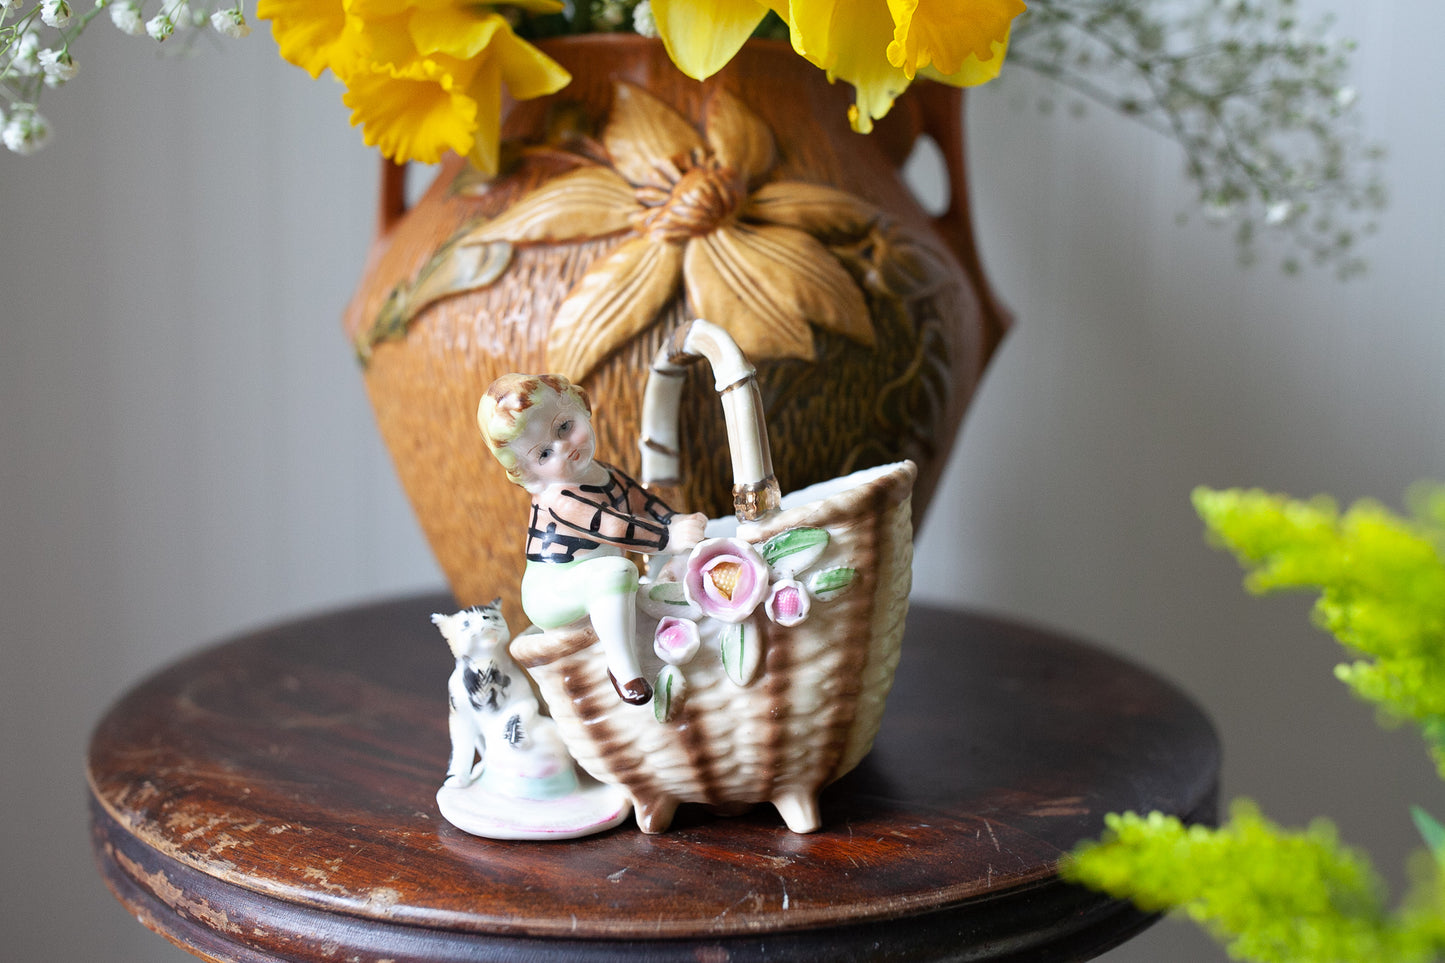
958	41
307	32
950	33
701	36
427	76
422	76
415	112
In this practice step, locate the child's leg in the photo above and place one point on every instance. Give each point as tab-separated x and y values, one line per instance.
612	604
604	589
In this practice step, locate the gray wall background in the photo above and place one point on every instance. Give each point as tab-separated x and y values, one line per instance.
186	450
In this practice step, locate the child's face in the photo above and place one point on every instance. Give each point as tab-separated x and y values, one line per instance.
556	443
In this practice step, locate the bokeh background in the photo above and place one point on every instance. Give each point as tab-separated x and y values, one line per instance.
186	450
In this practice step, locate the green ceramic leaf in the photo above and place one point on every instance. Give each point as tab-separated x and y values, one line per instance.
832	582
668	593
741	652
788	553
667	693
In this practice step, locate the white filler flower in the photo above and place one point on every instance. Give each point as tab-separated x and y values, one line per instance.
126	16
26	131
58	66
160	27
231	22
55	13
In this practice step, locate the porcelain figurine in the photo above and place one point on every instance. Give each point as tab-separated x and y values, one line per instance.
510	776
585	515
771	646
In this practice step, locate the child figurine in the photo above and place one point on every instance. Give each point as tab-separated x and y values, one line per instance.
585	515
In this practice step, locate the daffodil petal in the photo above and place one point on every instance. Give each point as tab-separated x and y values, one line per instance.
386	42
527	71
846	41
946	33
974	71
455	31
413	113
701	36
306	31
486	90
540	6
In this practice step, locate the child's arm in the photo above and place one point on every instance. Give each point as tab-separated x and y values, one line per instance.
684	531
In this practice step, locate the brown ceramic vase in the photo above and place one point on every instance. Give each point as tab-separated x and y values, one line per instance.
633	201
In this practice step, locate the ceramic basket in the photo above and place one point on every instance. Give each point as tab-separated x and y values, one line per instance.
777	701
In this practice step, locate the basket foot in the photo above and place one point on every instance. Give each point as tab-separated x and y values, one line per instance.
799	810
654	815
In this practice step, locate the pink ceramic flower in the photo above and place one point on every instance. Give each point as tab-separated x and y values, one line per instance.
788	602
676	640
726	578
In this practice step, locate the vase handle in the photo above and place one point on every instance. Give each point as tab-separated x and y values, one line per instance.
391	206
940	108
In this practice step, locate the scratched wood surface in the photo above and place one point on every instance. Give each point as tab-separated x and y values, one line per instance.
272	799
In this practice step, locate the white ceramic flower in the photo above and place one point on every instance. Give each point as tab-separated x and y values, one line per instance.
676	640
788	602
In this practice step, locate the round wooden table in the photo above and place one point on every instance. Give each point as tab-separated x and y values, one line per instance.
272	798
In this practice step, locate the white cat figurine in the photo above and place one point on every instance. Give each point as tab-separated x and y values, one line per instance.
509	776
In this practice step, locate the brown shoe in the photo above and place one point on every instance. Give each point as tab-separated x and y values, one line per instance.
637	692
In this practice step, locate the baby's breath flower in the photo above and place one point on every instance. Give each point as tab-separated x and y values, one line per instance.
58	66
125	14
26	131
26	59
1254	96
55	13
160	27
609	14
1278	213
1217	212
642	19
183	16
231	22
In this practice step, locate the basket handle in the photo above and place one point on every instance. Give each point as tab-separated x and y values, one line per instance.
755	489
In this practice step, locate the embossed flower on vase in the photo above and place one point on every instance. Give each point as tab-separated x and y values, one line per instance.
694	210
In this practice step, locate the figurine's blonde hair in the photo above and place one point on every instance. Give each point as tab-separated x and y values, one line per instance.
502	413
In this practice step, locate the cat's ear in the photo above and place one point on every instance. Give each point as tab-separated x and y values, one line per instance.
495	603
437	618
